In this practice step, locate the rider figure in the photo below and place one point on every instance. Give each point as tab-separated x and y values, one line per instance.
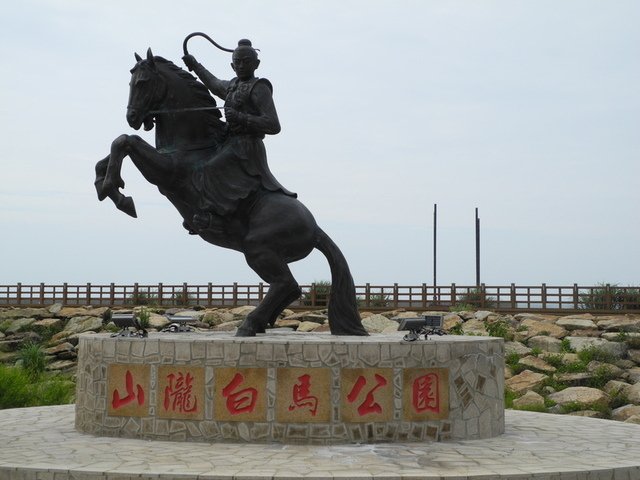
239	169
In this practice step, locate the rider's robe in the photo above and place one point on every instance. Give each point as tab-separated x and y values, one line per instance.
239	169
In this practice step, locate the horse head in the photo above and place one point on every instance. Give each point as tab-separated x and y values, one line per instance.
147	90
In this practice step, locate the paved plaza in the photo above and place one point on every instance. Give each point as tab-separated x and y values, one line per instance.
41	444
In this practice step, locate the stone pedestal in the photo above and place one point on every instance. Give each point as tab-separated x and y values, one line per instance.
287	387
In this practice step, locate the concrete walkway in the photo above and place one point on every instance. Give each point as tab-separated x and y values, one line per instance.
41	444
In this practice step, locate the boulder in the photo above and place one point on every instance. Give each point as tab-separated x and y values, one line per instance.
535	317
633	419
284	323
576	322
633	375
633	394
618	336
377	323
483	315
216	317
450	320
308	317
612	370
565	358
634	356
547	344
581	395
55	308
526	380
475	327
574	379
516	347
158	321
227	326
240	313
536	363
624	412
307	326
529	399
536	328
50	323
82	324
619	324
586	413
18	324
60	348
615	387
616	349
59	365
195	314
14	313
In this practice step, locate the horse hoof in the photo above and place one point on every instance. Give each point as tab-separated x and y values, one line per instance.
127	206
245	332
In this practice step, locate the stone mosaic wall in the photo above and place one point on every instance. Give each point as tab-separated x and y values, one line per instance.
290	388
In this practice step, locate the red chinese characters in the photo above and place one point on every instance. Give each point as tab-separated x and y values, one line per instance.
302	397
128	390
239	400
178	394
120	401
425	394
367	394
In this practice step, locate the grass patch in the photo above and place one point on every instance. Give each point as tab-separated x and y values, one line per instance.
509	397
33	359
592	352
499	328
20	388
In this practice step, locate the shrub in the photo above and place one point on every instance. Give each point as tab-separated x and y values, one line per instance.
565	346
456	329
592	352
33	358
21	389
476	298
611	297
143	317
322	290
376	300
499	328
142	297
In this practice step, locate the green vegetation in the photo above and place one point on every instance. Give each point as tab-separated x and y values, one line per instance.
604	410
611	297
456	329
509	397
322	290
633	343
143	316
376	300
498	328
592	352
565	346
22	388
33	359
461	307
476	298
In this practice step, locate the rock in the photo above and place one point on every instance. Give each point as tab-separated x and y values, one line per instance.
240	313
284	323
616	349
565	358
581	395
586	413
70	312
612	370
536	363
391	313
633	374
195	314
529	399
585	333
308	317
614	388
286	313
575	322
158	321
482	315
14	313
620	324
227	326
307	326
516	347
624	412
61	365
536	328
55	308
48	323
323	328
60	348
391	328
634	356
618	337
633	419
526	380
574	379
467	315
625	363
82	324
2	335
450	320
216	317
547	344
536	317
18	325
475	327
633	394
507	373
14	342
377	323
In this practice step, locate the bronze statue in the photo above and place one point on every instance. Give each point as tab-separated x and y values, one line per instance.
216	174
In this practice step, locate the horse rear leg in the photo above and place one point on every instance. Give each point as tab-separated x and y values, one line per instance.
121	201
283	289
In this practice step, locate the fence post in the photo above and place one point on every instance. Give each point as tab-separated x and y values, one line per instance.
112	294
235	294
483	295
367	295
424	296
395	295
65	290
544	296
88	293
453	294
575	296
42	293
607	296
512	293
185	294
19	293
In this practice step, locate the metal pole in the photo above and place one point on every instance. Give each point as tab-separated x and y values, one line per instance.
435	239
477	249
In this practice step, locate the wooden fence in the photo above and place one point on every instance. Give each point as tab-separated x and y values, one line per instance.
510	298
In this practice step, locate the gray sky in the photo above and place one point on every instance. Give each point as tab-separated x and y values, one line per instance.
528	110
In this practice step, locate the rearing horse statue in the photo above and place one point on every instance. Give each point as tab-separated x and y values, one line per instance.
190	165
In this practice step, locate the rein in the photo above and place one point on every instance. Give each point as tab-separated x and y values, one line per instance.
181	110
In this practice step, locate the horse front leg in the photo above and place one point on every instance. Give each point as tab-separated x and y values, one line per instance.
121	201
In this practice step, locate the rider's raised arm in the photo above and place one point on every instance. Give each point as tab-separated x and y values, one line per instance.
267	121
214	84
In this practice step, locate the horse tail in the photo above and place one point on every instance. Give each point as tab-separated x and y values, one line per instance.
343	308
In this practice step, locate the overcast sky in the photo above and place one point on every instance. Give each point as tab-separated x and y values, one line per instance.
528	110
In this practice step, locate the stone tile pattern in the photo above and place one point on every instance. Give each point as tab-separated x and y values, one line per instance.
41	444
475	368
